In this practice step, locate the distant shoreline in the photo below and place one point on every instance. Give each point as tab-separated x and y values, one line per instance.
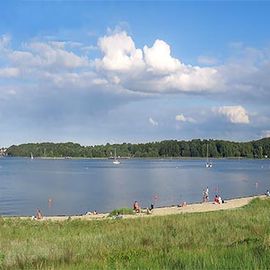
140	158
172	148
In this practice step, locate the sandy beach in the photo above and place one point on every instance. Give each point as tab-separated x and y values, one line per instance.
163	211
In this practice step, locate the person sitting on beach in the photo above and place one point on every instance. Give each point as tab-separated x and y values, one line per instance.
118	216
220	200
136	207
182	204
151	206
38	214
216	200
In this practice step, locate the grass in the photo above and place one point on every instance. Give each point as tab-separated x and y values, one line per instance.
232	239
122	211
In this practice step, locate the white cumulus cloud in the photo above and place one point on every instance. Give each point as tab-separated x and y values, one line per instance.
193	79
235	114
265	133
152	122
158	57
125	68
122	67
152	69
43	55
120	53
182	118
4	41
9	72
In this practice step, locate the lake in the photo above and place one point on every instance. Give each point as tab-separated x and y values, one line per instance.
70	186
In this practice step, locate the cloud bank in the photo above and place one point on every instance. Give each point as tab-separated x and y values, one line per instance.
152	69
59	82
124	68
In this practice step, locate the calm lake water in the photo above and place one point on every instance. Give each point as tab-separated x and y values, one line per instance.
78	186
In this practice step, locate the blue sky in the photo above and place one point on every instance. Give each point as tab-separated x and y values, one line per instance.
115	71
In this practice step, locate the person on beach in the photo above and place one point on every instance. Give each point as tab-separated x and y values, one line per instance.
38	214
50	202
118	216
136	207
183	204
267	193
216	200
207	194
220	200
203	198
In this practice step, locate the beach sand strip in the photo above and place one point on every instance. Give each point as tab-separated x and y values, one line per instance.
162	211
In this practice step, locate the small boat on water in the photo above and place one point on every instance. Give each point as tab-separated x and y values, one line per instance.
115	160
32	157
208	164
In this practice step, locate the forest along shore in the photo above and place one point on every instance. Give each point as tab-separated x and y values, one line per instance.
195	148
162	211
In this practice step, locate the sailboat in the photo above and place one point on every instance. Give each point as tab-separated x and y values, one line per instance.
32	157
115	161
208	164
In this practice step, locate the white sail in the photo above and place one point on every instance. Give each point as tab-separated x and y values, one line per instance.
208	164
115	161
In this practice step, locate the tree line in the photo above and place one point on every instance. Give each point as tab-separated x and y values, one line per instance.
163	149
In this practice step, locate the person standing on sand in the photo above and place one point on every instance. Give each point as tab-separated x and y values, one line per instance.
38	214
207	194
50	202
136	207
204	199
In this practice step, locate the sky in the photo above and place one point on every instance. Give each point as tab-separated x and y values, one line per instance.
97	72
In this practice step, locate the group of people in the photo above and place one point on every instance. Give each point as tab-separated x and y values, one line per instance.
218	200
137	208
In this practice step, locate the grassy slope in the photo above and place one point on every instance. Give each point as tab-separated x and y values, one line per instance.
217	240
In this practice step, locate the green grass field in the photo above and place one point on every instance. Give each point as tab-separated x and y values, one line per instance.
231	239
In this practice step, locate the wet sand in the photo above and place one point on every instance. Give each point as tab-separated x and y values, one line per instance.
163	211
